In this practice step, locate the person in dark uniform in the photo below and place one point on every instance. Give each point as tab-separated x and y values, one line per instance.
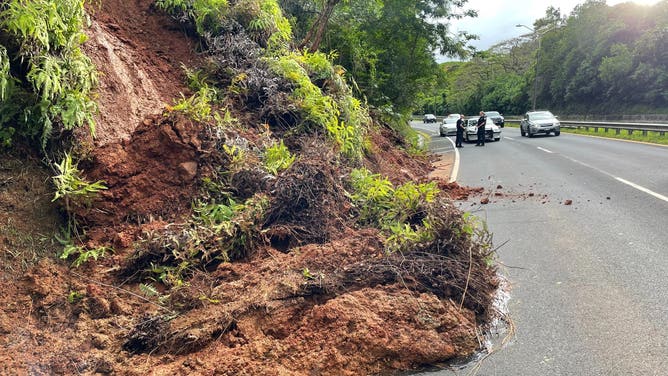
460	131
482	121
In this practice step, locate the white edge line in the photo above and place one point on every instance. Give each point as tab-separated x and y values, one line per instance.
508	138
643	189
545	150
455	168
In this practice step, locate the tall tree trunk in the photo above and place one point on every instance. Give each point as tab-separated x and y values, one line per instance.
314	36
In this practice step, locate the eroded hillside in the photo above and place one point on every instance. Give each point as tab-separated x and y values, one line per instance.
218	261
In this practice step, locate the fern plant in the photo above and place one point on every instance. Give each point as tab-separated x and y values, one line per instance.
54	77
278	158
83	254
4	73
394	210
71	186
204	14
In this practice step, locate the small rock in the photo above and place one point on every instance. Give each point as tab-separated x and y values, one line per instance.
484	201
100	341
188	170
499	187
607	198
568	202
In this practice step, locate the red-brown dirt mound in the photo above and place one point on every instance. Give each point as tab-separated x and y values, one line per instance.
152	173
338	305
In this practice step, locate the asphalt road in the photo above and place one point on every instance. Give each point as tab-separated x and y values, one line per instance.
589	281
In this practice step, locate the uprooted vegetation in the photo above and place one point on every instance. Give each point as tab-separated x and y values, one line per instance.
265	222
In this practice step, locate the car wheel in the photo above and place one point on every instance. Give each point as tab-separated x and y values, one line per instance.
529	133
522	132
442	135
497	139
557	133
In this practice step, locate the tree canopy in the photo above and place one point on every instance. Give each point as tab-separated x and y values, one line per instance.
387	45
599	59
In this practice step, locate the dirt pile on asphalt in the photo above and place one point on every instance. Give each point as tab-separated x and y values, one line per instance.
308	292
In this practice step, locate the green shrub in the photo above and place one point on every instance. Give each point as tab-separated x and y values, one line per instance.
206	15
398	211
372	193
71	186
45	37
342	116
278	158
83	254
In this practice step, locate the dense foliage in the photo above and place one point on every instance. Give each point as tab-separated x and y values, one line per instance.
387	45
598	60
45	79
244	56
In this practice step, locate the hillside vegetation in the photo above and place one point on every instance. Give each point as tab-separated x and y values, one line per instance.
598	60
238	209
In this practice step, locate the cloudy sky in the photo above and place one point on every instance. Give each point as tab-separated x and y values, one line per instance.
497	19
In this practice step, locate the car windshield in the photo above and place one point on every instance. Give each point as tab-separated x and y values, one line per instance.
541	116
455	116
492	113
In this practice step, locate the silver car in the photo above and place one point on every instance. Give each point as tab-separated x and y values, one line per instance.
449	125
535	122
492	131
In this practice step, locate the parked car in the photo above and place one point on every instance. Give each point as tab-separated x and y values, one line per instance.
449	125
429	118
535	122
496	118
492	131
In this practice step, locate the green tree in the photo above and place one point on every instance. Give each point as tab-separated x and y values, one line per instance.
387	45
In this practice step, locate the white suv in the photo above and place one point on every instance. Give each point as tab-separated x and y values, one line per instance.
535	122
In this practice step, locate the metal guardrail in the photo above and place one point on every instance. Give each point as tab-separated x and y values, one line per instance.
618	127
661	128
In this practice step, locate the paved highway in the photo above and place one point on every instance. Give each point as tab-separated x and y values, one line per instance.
589	280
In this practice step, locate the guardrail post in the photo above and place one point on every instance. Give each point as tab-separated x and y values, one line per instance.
595	129
630	131
618	131
605	130
662	133
644	133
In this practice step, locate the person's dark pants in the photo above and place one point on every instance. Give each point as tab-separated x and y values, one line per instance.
481	136
459	139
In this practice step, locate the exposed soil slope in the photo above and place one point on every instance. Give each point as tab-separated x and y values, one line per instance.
139	53
315	295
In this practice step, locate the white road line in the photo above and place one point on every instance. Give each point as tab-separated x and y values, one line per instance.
509	138
621	180
545	150
643	189
455	168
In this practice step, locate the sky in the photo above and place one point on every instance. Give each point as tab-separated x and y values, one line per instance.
497	19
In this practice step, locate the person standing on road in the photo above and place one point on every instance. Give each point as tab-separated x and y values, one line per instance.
482	121
460	131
